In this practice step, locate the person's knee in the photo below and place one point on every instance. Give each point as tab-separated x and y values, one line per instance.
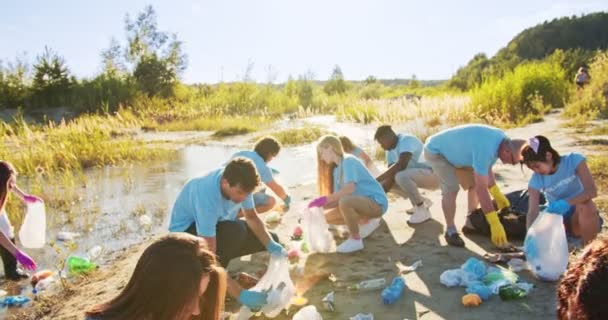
345	202
587	213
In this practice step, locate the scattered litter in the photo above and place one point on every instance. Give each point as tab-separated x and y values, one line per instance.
480	289
307	313
145	221
361	316
40	275
43	284
373	284
2	293
80	265
95	252
14	301
474	267
67	236
517	265
273	217
297	233
293	255
328	301
332	277
471	300
299	301
405	269
451	278
393	292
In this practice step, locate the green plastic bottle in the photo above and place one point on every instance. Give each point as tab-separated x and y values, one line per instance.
511	292
80	265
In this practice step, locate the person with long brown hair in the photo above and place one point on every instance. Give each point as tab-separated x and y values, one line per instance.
349	191
176	277
581	293
8	251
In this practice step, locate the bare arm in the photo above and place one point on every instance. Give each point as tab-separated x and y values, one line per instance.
277	189
401	164
333	198
366	159
481	188
7	244
533	203
589	189
257	226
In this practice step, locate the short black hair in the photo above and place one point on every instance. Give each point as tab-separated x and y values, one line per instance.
384	131
242	172
266	147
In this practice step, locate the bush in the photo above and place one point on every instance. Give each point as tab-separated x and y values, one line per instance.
592	101
522	94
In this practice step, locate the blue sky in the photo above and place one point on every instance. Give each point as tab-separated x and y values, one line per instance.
384	38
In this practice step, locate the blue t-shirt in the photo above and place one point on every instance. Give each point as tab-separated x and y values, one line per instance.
471	145
356	152
201	202
564	183
407	143
260	165
351	169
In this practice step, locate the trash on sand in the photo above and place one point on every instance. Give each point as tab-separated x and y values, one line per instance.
80	265
299	301
405	269
451	278
297	233
332	277
293	255
328	301
145	221
307	313
515	291
393	292
480	289
373	284
273	217
67	236
362	316
471	300
40	275
14	301
95	252
43	284
517	265
474	267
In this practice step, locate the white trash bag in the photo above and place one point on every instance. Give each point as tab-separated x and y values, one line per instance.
546	247
277	283
33	230
316	231
307	313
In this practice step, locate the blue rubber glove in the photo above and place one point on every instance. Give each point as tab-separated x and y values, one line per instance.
560	207
275	248
287	202
253	300
274	171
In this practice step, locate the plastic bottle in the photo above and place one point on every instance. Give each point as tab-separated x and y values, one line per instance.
33	230
80	265
43	284
511	292
393	292
40	275
373	284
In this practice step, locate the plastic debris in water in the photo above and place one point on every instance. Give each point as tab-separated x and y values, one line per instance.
95	252
67	236
329	300
80	265
145	221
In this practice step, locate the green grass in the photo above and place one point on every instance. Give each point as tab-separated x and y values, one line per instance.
291	137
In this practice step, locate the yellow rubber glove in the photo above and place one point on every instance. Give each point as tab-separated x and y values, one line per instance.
497	231
501	201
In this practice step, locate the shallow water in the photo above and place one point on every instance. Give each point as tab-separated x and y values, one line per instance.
113	198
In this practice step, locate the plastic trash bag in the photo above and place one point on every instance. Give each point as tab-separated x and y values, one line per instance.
307	313
33	230
451	278
475	267
546	247
316	231
277	284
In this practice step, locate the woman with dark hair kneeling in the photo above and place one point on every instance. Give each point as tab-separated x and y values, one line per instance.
176	277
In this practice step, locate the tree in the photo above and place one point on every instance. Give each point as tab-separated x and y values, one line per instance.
52	82
370	80
112	60
414	83
157	56
13	84
336	83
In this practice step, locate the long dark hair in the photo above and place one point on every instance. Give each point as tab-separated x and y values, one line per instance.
6	172
166	279
529	154
581	293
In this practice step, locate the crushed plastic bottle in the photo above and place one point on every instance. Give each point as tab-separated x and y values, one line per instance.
95	252
43	284
40	275
393	292
15	301
80	265
511	292
67	236
363	316
373	284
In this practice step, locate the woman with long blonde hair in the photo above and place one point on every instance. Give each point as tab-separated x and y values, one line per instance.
176	278
349	191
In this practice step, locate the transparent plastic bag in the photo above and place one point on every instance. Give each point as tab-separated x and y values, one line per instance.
33	230
546	247
316	231
277	284
307	313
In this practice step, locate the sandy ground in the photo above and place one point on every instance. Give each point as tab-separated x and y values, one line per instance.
394	240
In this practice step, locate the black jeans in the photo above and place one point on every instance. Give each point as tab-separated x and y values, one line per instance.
10	262
234	239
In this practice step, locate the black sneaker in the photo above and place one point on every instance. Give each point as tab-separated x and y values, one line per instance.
454	240
17	275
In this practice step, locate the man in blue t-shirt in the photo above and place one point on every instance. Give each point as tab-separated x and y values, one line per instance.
406	171
209	206
465	155
263	152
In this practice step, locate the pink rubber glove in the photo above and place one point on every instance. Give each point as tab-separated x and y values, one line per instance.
318	202
30	199
25	260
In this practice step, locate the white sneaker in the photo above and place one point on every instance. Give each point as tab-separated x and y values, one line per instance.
350	245
367	229
425	202
421	214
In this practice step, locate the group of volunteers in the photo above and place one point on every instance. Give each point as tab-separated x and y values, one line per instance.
215	216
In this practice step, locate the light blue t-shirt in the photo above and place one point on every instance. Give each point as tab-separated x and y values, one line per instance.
201	202
564	183
407	143
353	170
260	165
471	145
356	151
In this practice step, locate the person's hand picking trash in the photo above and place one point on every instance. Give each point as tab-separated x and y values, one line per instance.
276	249
560	207
318	202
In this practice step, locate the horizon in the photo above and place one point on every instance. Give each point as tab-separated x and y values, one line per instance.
388	40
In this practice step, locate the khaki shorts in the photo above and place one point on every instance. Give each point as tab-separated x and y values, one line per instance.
450	176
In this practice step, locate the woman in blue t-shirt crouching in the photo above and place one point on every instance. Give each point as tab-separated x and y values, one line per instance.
568	187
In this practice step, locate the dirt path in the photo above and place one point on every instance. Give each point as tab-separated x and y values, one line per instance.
394	241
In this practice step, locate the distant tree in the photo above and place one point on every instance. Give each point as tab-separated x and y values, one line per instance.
414	83
336	83
157	56
370	80
305	90
13	84
113	64
52	82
